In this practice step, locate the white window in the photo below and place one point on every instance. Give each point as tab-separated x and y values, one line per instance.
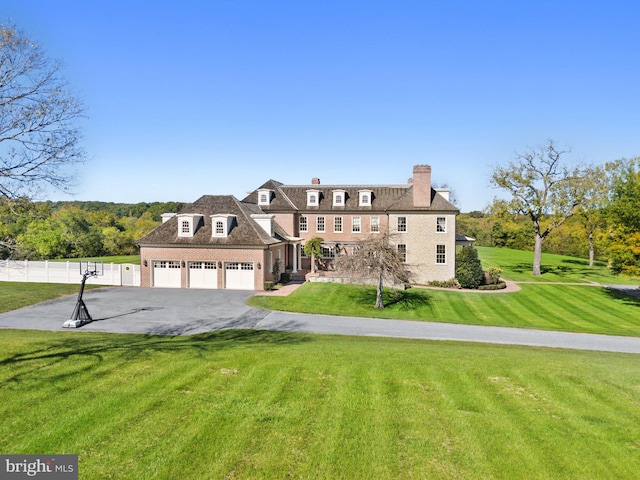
337	224
365	198
188	224
185	227
402	251
304	226
264	196
402	224
375	224
441	254
441	225
328	252
313	198
320	225
222	224
219	227
356	225
339	197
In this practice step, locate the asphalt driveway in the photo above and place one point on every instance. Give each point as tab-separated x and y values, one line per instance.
187	312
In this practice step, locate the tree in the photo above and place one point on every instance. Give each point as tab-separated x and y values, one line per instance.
543	189
375	257
596	196
313	249
469	271
38	134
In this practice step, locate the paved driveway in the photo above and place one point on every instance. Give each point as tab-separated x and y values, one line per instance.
187	312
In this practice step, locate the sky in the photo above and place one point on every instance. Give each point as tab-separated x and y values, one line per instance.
216	97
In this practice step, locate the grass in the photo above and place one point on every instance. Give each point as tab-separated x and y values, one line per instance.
250	404
14	295
517	266
571	308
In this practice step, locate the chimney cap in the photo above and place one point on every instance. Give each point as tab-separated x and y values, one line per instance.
315	181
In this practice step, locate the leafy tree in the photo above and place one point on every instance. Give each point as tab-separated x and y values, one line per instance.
543	189
38	134
313	249
469	271
589	213
375	257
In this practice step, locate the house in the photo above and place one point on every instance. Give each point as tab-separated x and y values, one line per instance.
221	242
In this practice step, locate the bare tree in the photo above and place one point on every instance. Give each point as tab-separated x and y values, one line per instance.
377	258
543	189
38	134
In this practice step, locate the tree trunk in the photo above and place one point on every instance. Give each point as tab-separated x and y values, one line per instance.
537	256
313	264
379	302
591	249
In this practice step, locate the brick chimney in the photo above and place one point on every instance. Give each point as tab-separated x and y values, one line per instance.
422	186
315	181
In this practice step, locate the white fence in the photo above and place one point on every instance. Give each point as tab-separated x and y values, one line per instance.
67	272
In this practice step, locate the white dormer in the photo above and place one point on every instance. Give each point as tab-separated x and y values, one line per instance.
221	225
188	224
339	198
364	198
313	198
167	216
265	221
264	196
444	192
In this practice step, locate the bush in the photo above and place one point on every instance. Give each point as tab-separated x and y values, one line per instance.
451	283
285	277
493	286
469	271
268	286
492	275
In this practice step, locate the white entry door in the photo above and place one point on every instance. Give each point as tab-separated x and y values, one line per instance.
166	273
203	275
239	276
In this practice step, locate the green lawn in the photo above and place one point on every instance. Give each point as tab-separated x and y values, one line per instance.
119	259
14	295
517	266
247	404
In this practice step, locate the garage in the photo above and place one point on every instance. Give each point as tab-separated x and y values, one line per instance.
239	276
166	274
203	275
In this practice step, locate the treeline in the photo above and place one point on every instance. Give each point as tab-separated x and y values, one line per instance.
50	230
604	227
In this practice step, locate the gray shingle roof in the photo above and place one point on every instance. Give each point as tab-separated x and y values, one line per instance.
385	198
245	231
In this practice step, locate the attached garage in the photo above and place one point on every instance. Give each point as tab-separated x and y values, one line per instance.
203	274
239	276
166	274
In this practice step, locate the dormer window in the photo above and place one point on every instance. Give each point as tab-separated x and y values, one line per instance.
264	197
221	225
188	224
339	197
313	198
365	198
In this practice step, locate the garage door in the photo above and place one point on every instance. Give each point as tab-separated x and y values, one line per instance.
239	276
166	274
203	275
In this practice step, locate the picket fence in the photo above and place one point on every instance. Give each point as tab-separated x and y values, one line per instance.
67	272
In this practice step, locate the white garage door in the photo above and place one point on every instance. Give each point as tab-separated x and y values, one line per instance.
239	276
203	275
166	274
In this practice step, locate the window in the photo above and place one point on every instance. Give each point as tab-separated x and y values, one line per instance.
365	197
355	225
441	225
313	198
328	252
337	224
185	226
263	198
320	225
339	198
219	227
402	224
402	251
441	254
304	226
375	224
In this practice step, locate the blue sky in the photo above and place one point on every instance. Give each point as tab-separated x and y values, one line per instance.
216	97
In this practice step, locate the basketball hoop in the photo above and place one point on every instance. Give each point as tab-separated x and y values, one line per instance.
81	315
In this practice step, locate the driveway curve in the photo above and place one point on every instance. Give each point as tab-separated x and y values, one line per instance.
187	312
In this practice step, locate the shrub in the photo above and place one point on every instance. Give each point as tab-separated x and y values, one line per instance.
468	268
268	285
492	275
494	286
285	277
451	283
